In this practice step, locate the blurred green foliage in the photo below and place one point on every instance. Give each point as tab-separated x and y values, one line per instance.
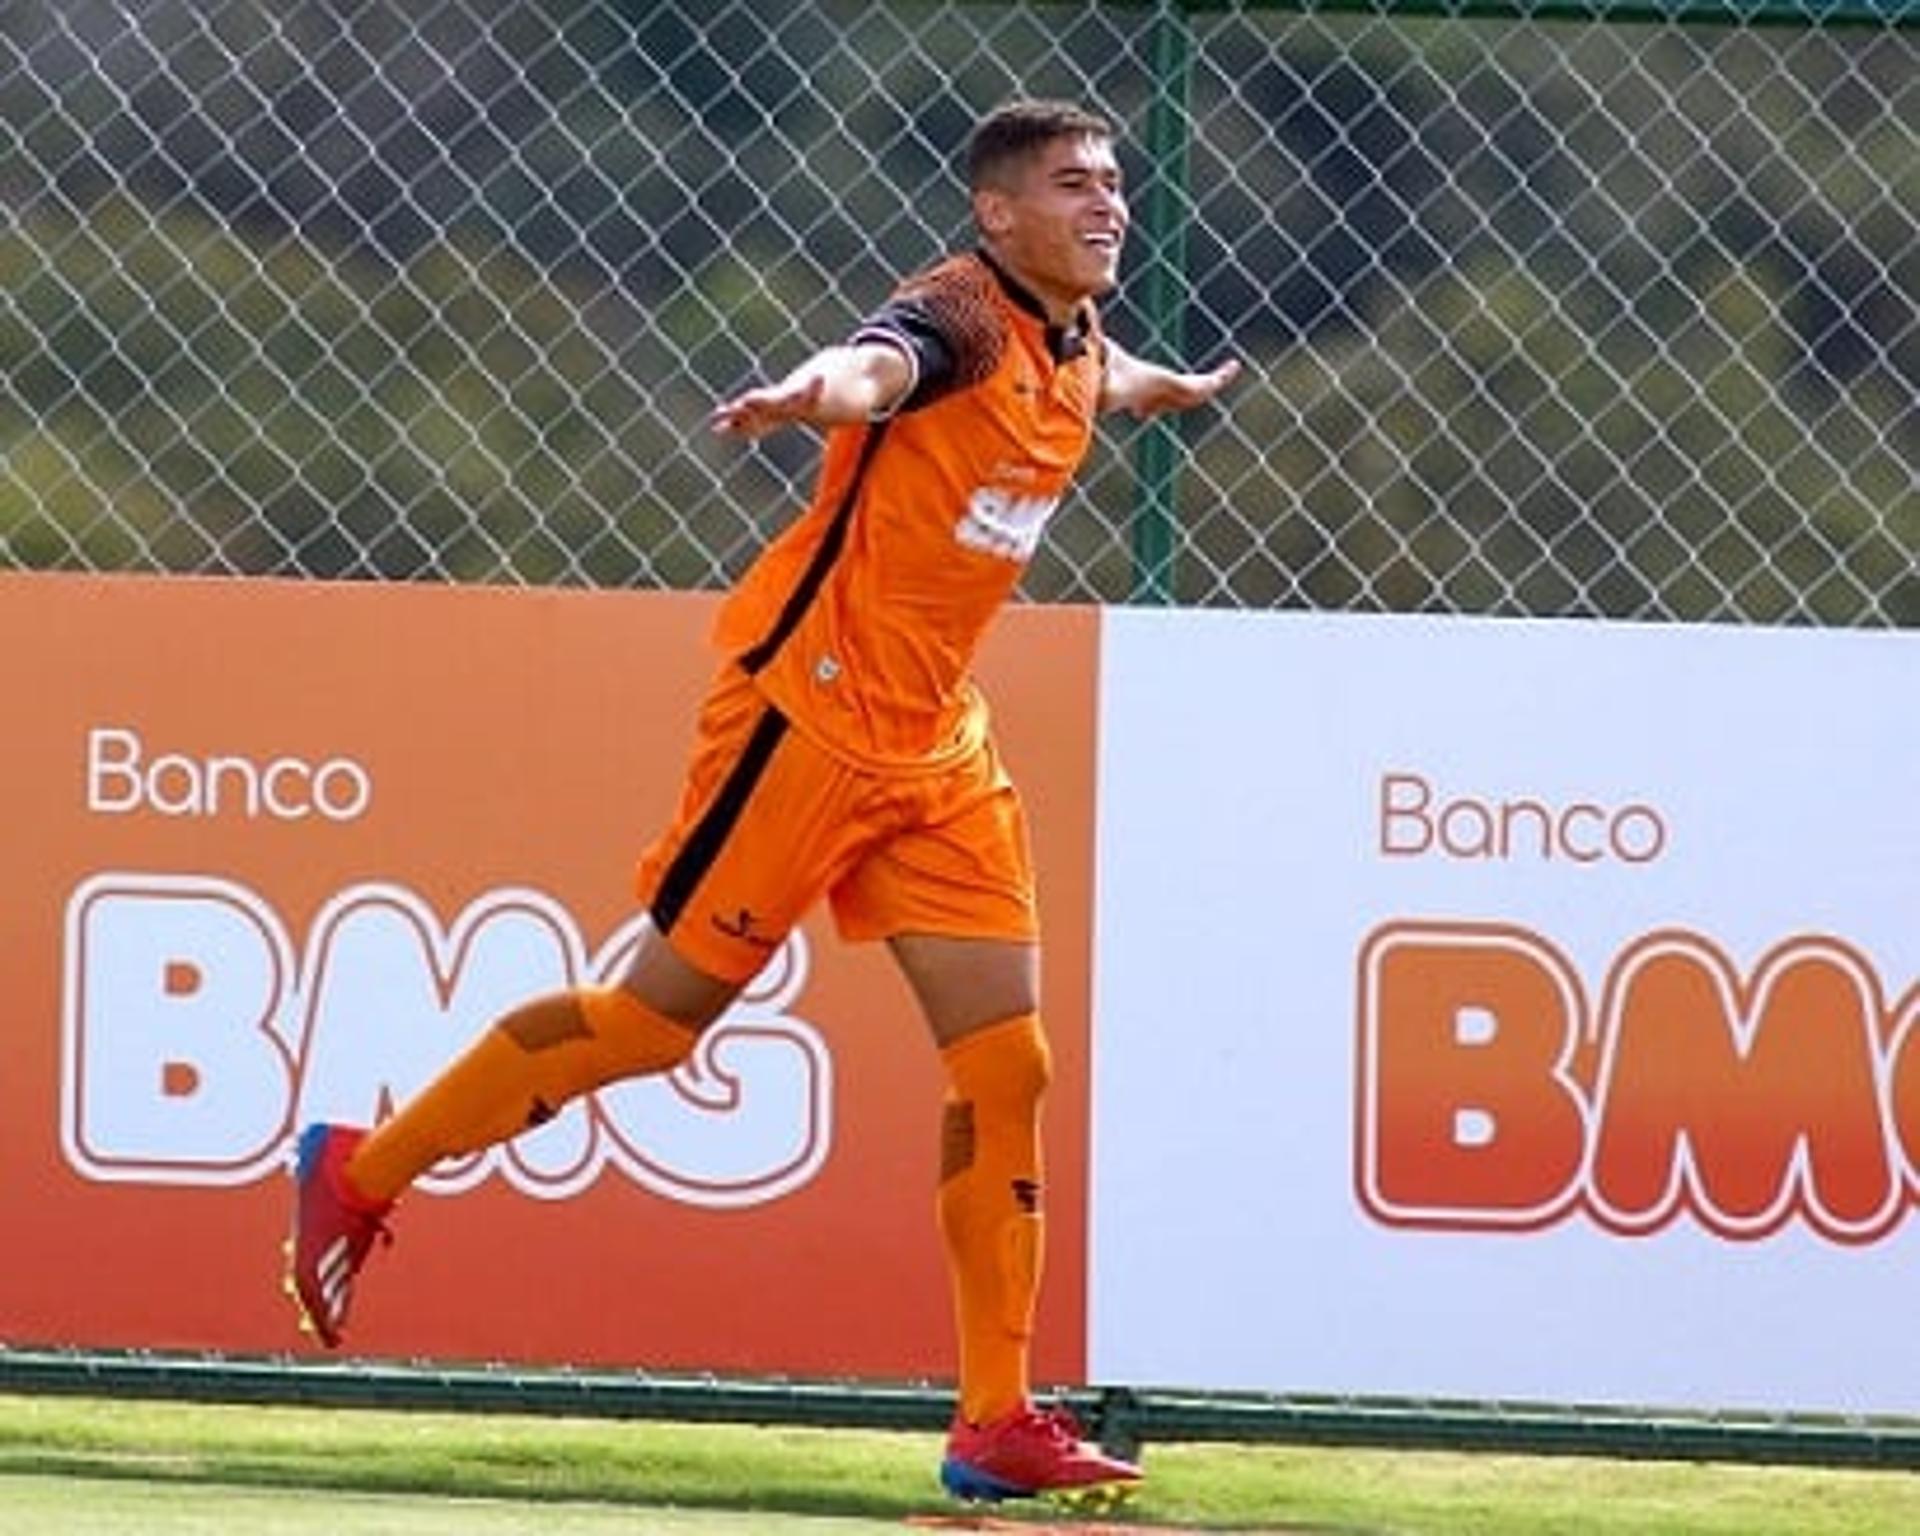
1546	318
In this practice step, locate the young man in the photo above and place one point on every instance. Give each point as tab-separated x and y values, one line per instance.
843	752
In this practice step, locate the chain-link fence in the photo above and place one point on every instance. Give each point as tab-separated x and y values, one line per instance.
1553	315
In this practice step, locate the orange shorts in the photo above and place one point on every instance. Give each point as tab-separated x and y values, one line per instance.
769	821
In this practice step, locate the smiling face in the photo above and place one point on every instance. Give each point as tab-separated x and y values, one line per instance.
1056	219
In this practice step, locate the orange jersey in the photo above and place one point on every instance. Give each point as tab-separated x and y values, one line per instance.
860	621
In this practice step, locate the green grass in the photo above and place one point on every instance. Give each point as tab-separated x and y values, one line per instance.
32	1505
558	1475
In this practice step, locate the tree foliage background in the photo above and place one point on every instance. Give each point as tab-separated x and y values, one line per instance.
1546	316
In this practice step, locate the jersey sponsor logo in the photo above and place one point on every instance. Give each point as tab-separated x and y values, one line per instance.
1001	522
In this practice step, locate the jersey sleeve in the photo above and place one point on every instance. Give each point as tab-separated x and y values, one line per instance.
949	330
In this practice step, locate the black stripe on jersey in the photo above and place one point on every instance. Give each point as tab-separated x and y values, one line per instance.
710	833
807	588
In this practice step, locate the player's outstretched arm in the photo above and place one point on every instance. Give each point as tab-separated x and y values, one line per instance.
834	387
1146	389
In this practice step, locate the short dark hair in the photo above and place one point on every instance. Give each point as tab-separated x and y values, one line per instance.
1012	131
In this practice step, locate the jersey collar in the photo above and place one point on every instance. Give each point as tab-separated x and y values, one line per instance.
1064	342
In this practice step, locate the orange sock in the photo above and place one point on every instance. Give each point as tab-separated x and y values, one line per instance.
515	1076
989	1206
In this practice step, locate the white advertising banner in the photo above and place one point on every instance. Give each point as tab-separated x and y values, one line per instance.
1508	1009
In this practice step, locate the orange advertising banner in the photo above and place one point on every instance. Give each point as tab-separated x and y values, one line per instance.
276	850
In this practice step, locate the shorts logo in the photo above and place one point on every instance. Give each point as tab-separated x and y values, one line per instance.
741	927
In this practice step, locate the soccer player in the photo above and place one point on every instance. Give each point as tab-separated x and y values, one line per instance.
843	752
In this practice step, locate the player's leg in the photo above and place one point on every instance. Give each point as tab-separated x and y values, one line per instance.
981	999
516	1075
954	896
739	838
539	1057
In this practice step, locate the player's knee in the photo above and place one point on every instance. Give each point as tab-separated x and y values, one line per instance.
633	1038
546	1023
1032	1057
1009	1062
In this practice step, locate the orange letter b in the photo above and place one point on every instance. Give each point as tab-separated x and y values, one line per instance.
1469	1114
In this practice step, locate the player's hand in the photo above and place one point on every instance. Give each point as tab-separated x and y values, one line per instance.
756	412
1159	390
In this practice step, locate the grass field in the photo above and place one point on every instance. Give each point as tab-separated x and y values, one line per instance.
41	1505
109	1468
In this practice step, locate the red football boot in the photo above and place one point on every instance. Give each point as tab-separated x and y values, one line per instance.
1026	1452
333	1230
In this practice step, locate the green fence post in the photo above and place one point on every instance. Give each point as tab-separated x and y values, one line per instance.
1163	221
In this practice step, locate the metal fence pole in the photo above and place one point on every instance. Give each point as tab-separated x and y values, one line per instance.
1164	221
